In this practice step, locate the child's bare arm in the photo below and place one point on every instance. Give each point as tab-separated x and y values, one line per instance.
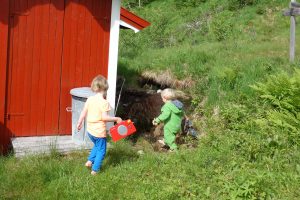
82	117
107	118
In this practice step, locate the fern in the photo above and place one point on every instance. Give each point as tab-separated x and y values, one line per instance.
282	93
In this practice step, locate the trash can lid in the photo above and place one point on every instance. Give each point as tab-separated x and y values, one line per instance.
84	92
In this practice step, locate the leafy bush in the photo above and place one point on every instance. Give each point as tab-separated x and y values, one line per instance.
247	189
187	3
229	76
234	116
238	4
136	3
222	25
282	92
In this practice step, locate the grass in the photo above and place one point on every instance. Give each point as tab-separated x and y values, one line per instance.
208	172
250	150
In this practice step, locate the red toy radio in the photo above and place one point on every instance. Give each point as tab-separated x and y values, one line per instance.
122	130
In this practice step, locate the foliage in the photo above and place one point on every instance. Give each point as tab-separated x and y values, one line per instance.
222	25
282	92
187	3
238	4
137	3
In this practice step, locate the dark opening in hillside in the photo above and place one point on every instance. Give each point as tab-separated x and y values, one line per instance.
142	105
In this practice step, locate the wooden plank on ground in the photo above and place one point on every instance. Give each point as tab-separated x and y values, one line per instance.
291	12
295	4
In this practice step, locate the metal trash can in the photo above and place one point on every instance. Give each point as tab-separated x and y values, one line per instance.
79	97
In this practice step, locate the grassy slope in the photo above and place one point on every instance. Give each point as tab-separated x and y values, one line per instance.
225	51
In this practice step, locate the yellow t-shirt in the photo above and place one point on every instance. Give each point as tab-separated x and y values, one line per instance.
96	105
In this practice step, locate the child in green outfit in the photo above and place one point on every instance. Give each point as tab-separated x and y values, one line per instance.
171	115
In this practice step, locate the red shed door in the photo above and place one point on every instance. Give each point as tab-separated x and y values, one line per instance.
36	32
55	46
86	45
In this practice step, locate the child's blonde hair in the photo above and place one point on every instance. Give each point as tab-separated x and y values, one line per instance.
168	94
99	84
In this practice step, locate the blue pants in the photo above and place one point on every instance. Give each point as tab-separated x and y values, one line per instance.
98	152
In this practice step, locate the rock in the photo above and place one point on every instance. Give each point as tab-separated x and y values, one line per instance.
140	152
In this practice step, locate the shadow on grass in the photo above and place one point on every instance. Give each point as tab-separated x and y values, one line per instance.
118	155
130	74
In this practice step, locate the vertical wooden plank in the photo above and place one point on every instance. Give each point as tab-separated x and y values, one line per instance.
27	87
13	64
35	69
10	62
20	68
79	44
93	41
43	67
90	40
87	43
98	14
74	58
50	72
107	35
16	62
59	51
54	66
66	60
4	20
292	37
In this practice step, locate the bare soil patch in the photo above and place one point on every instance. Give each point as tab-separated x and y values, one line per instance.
142	105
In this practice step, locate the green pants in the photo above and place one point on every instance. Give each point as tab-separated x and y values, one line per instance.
169	137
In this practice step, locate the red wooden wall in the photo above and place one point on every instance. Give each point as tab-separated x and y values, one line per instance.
86	45
54	46
4	138
36	33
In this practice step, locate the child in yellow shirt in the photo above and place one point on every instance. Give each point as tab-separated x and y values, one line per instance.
96	113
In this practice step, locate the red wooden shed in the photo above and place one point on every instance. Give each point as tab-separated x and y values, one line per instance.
48	47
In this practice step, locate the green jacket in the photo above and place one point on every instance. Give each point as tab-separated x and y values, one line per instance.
171	115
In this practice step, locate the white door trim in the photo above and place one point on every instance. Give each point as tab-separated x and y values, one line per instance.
113	52
122	23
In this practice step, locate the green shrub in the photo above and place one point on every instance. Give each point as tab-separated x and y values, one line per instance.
229	76
189	3
253	188
282	93
222	25
238	4
136	3
234	116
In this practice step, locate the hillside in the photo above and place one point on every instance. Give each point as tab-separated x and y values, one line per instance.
245	101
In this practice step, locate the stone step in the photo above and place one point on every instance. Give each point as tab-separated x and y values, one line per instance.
24	146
